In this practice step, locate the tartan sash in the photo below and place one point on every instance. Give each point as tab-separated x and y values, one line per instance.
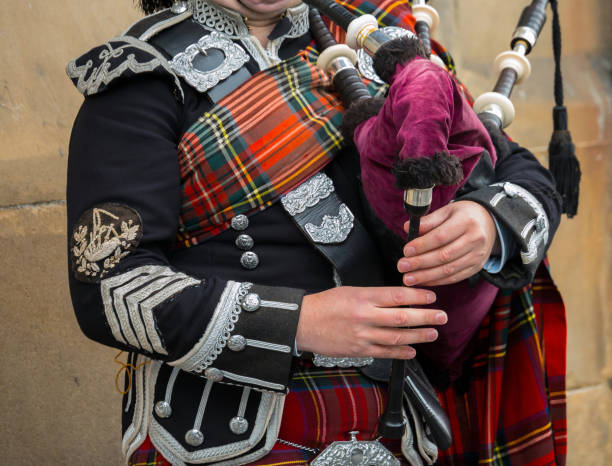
262	140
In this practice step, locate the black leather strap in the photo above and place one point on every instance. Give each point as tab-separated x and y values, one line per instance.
355	258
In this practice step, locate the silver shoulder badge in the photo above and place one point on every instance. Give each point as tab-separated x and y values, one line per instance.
234	58
102	237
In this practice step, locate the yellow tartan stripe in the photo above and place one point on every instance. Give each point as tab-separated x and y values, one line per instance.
498	449
234	154
287	462
316	405
291	78
323	375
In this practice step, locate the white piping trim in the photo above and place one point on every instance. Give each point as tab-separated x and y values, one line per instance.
203	401
252	381
174	451
268	346
279	305
170	386
244	399
130	298
218	330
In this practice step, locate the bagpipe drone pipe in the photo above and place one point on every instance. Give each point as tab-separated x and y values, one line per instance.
420	144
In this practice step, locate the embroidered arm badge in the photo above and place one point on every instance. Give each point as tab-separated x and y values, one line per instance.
102	237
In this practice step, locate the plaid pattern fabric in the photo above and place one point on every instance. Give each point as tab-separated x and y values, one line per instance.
510	412
147	455
322	406
271	134
513	411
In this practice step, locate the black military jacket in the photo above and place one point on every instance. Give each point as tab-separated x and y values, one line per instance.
210	330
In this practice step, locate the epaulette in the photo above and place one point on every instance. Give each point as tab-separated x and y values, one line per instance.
126	56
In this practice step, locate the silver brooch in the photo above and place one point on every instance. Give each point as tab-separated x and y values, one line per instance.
235	58
307	194
333	229
355	453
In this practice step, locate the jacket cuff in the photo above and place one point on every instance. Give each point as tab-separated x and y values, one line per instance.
249	340
525	218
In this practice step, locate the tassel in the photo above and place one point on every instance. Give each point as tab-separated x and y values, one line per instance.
563	163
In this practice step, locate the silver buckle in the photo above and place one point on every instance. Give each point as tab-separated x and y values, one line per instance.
355	452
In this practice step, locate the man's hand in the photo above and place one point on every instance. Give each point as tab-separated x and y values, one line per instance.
455	243
368	321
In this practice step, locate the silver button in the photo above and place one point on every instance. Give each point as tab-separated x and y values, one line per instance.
163	409
509	190
249	260
179	7
238	425
244	242
540	223
214	374
251	302
240	222
194	437
237	343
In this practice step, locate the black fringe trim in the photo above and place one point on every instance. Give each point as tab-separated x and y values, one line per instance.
396	52
151	6
425	172
357	113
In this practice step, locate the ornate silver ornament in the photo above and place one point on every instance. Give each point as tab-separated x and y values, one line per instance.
333	229
214	374
163	409
102	237
194	437
249	260
251	302
114	59
238	425
308	194
364	60
178	7
235	58
240	222
244	242
237	343
328	361
355	453
535	232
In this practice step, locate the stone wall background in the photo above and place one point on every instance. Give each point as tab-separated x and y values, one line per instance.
58	403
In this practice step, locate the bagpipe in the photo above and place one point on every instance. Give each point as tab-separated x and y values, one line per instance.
422	175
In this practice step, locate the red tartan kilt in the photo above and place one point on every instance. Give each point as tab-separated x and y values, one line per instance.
323	406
